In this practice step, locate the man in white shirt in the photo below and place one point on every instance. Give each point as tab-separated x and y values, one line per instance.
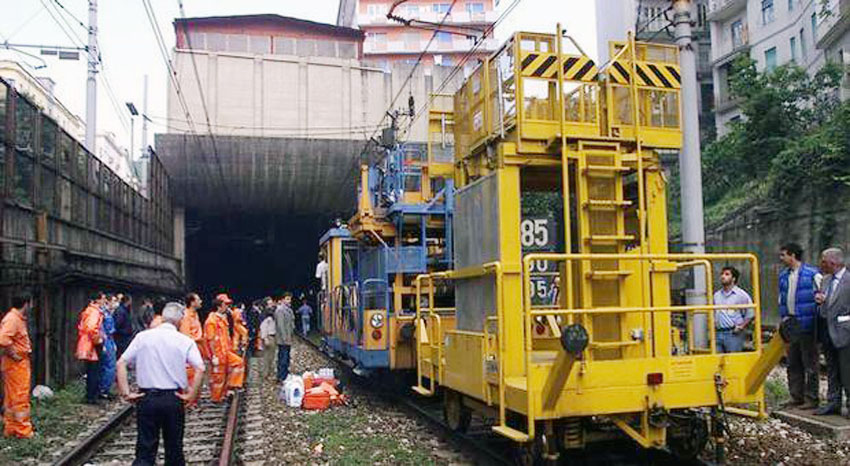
160	356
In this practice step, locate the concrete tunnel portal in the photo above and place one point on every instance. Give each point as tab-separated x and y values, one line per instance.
255	207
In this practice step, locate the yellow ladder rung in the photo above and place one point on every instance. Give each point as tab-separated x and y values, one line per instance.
607	274
606	168
605	204
609	238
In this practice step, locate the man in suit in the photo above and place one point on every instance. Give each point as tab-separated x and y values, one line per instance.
834	299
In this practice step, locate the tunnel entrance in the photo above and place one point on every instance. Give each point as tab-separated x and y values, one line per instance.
252	255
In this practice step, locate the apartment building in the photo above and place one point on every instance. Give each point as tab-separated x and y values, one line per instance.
389	41
833	35
773	33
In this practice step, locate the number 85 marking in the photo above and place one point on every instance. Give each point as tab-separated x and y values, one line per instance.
534	232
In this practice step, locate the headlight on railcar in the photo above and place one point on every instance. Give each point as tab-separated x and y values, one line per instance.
377	320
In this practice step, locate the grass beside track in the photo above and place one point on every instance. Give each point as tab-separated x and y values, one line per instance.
56	421
348	438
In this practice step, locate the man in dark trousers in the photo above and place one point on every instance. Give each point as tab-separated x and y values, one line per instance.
834	300
284	322
798	283
160	356
123	324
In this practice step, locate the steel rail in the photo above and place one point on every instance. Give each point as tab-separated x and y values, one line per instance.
227	456
481	452
88	447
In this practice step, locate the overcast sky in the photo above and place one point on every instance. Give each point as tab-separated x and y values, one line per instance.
129	49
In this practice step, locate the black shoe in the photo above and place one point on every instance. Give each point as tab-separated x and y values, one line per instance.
827	409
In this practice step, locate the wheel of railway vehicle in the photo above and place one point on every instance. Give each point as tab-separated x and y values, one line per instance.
687	435
534	453
456	414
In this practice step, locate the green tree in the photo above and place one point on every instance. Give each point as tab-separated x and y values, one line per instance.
789	134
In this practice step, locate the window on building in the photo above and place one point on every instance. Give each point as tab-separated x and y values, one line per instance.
793	45
412	11
259	45
475	8
411	40
197	40
216	42
814	28
737	34
803	50
707	97
442	8
48	140
790	5
444	37
237	43
23	177
770	59
767	12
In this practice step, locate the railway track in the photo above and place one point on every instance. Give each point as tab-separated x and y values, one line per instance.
487	448
212	434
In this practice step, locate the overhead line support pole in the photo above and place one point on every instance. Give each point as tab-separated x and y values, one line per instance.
91	79
690	165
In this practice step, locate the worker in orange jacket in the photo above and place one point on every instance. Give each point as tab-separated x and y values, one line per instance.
227	369
190	326
15	368
240	331
89	341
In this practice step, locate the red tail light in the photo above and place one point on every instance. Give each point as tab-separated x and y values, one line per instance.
376	334
655	378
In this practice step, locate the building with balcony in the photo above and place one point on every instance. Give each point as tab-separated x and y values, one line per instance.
391	41
833	35
652	21
771	32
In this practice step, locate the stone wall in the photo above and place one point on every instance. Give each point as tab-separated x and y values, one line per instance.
815	224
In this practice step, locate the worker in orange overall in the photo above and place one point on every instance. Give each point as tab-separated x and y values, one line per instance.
15	368
240	331
89	341
190	326
227	367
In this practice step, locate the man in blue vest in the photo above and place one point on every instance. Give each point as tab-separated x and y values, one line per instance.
798	283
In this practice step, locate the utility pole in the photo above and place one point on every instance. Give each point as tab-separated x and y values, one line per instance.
91	79
690	166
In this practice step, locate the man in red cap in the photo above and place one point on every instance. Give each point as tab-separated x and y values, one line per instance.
228	370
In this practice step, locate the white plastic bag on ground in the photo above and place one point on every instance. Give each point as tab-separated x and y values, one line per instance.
42	392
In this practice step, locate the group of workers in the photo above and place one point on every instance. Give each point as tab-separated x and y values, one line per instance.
817	300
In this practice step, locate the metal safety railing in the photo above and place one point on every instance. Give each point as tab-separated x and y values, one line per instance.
678	261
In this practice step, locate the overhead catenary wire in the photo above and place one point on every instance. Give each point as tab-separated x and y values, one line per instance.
67	28
356	161
201	94
175	83
469	54
68	12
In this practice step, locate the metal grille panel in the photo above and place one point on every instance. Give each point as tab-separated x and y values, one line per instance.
476	242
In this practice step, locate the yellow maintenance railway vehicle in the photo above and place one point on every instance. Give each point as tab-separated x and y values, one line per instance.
565	328
402	228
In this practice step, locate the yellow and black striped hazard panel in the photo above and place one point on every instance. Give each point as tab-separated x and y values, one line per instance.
544	65
648	74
